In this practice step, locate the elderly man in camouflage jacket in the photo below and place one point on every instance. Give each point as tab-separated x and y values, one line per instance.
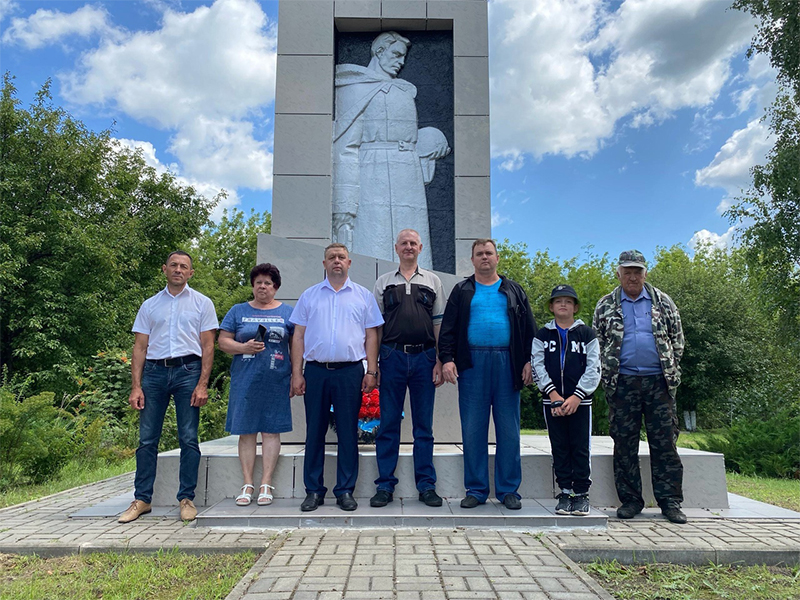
641	344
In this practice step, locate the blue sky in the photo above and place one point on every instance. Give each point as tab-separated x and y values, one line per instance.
614	124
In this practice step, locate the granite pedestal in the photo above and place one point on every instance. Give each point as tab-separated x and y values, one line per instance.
220	474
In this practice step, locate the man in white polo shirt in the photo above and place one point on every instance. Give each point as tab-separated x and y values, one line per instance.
172	356
336	325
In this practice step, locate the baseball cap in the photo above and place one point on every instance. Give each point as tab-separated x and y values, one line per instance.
564	290
632	258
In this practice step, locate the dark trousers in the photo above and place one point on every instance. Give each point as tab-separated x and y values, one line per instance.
342	389
634	398
570	442
398	372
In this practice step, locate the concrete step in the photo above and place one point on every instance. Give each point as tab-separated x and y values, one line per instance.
220	474
403	512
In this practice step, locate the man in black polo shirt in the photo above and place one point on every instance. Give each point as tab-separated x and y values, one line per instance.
412	302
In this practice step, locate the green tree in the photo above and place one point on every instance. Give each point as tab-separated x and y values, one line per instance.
84	227
770	210
727	334
224	253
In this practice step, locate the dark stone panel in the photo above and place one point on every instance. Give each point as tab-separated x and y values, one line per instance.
429	66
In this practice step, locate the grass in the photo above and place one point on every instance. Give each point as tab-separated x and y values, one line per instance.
533	431
687	582
692	439
780	492
170	575
75	473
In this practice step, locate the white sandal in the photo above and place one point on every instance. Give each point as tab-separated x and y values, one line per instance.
265	495
244	498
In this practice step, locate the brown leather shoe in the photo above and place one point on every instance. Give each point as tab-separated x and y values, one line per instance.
134	511
188	511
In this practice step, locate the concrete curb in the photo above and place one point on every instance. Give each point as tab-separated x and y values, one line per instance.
685	556
580	573
240	589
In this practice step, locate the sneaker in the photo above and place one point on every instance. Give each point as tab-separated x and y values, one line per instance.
188	510
134	511
381	498
430	498
628	510
564	506
470	502
511	502
580	505
672	511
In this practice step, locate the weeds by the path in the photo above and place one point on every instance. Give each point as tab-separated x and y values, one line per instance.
682	582
170	575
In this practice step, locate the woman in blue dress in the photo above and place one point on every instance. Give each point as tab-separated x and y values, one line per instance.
258	334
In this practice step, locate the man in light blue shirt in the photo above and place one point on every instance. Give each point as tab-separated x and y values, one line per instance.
172	357
336	325
638	355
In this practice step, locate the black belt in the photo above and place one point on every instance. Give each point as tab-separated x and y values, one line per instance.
412	348
332	366
175	362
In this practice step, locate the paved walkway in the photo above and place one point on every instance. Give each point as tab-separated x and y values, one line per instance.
401	564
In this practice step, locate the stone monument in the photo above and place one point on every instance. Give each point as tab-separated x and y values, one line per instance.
361	153
381	161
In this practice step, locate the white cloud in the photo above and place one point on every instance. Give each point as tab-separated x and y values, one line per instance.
498	219
205	187
207	75
6	8
730	169
224	150
45	27
565	74
706	237
514	162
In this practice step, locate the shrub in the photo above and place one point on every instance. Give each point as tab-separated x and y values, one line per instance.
769	447
35	440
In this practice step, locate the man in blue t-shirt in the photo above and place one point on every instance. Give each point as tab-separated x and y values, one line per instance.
484	344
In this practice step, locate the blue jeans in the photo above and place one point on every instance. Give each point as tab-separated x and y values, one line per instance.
398	371
488	387
158	384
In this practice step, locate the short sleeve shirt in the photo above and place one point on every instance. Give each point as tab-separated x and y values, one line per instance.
336	322
174	323
410	307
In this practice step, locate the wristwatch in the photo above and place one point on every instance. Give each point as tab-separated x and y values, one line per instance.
373	373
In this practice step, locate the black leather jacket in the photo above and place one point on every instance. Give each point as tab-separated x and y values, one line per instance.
453	343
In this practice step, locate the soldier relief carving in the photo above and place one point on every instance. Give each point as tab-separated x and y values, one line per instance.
381	160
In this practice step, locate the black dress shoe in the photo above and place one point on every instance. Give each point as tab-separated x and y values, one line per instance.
346	502
470	502
311	502
430	498
381	498
511	502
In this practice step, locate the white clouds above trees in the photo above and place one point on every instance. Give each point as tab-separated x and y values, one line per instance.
565	74
206	75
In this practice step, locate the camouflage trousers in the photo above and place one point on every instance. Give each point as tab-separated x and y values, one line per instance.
634	398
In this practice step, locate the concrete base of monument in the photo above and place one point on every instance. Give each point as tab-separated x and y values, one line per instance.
220	475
